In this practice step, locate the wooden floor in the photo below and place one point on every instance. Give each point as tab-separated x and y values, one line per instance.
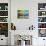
3	45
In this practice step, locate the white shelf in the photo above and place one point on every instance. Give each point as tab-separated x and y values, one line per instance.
41	22
41	10
3	10
3	22
3	16
41	28
42	16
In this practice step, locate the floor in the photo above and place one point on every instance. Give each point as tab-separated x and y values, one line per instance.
3	45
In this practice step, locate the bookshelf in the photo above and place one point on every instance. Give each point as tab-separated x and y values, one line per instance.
4	19
42	19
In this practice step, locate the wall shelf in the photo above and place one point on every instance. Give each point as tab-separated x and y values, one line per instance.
41	22
3	22
3	16
4	19
41	28
3	10
42	16
42	10
42	19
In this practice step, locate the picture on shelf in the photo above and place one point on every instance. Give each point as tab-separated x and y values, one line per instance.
3	26
3	19
41	25
6	7
3	13
23	14
41	13
41	19
3	6
42	32
4	29
41	6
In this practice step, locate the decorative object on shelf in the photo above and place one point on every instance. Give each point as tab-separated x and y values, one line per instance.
41	8
42	32
24	37
31	27
23	14
0	7
6	7
13	27
43	13
44	40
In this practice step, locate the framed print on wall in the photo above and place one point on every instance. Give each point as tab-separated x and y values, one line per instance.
22	14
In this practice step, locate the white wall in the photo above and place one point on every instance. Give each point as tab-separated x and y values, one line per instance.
23	24
32	5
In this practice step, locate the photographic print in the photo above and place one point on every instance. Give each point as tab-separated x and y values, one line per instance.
23	14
